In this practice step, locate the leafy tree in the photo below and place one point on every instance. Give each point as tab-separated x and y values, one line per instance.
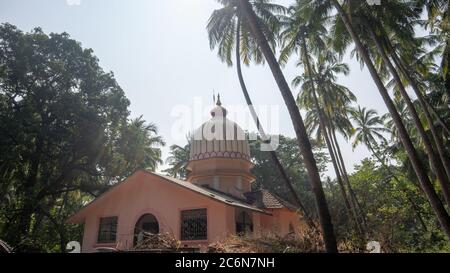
65	136
398	215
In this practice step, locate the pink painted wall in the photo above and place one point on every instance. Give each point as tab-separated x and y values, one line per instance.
145	193
279	221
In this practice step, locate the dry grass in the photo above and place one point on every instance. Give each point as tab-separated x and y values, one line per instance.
307	241
157	241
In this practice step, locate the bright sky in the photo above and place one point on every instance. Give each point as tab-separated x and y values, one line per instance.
159	53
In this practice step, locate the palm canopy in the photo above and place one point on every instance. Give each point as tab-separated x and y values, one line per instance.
141	144
224	23
335	99
368	127
395	19
400	105
178	160
323	75
339	121
304	32
302	25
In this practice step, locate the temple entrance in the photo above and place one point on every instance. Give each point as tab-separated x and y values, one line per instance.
146	224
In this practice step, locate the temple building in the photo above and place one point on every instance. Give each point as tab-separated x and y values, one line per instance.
215	201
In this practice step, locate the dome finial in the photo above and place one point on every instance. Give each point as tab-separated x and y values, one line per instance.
218	110
219	103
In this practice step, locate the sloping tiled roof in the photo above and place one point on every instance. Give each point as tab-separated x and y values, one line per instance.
227	199
268	200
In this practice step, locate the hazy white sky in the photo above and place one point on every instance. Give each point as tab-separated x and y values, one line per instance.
159	53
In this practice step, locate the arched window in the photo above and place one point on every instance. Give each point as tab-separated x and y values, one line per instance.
244	224
147	223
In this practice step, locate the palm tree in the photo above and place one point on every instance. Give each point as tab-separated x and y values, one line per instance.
303	33
316	119
369	128
256	29
419	169
373	26
227	29
427	108
178	160
400	29
141	144
335	100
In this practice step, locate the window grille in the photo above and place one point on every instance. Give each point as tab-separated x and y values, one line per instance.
194	225
107	230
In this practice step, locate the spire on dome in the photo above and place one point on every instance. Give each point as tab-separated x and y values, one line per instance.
218	110
218	103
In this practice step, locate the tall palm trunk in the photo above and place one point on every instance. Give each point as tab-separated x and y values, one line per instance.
427	108
430	108
406	71
299	127
273	154
349	207
353	207
341	163
436	164
427	187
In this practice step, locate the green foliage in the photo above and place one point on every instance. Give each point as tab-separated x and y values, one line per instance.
178	160
65	136
268	176
398	215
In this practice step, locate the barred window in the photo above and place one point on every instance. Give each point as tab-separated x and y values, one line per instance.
107	230
194	225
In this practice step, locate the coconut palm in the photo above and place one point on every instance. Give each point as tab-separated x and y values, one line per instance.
407	120
252	17
369	132
369	128
335	100
229	32
367	21
140	144
395	40
303	34
419	169
320	119
178	160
